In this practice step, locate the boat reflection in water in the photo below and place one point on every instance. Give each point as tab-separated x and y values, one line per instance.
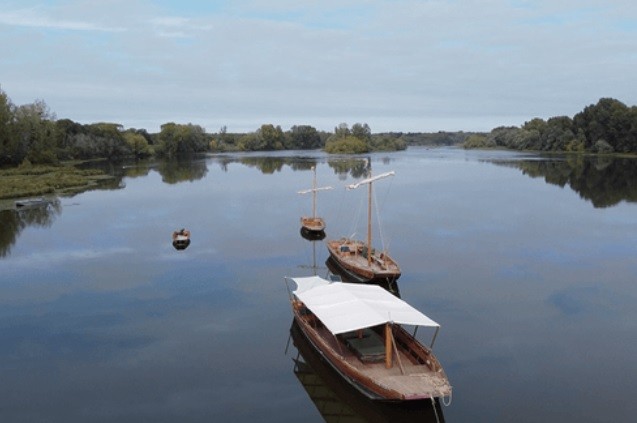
334	267
338	401
312	235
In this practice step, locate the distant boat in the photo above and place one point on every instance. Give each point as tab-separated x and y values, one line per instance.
358	259
313	225
181	239
31	202
357	329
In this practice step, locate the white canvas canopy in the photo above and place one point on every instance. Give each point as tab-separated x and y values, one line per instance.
344	307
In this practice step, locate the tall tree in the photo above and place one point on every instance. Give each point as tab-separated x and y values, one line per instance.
9	145
304	137
35	130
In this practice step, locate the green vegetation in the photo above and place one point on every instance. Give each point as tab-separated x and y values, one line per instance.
27	180
31	134
606	127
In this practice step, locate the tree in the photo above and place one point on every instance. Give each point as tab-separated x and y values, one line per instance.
362	132
137	144
35	131
347	145
271	137
607	120
175	139
9	145
341	131
304	137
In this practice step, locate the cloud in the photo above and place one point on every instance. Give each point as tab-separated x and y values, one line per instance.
37	17
401	65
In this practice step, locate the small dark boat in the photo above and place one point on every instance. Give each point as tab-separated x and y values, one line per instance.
181	239
31	202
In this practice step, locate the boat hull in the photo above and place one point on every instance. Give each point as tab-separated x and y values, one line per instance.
312	235
313	224
345	275
351	258
181	239
345	397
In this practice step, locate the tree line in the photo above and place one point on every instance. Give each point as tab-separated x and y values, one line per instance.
606	127
31	134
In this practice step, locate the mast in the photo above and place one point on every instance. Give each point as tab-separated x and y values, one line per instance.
314	193
314	190
369	225
369	181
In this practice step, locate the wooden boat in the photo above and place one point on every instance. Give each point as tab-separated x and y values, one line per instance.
357	329
314	223
358	259
181	239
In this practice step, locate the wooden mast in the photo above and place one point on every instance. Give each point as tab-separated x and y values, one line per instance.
314	193
369	182
369	224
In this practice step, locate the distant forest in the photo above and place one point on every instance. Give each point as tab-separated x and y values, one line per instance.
606	127
31	134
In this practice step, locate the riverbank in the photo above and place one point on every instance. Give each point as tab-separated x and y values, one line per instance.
44	181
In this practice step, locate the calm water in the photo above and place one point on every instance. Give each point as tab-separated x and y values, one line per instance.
528	263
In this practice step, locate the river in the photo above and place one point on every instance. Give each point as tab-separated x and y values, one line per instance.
526	261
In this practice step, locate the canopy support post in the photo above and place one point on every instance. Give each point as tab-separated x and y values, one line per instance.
400	363
434	338
388	344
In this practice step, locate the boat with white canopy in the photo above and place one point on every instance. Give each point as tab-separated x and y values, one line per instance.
358	329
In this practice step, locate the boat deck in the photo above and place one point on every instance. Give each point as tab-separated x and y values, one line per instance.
411	379
353	255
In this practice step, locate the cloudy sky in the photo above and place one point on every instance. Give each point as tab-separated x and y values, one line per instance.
397	65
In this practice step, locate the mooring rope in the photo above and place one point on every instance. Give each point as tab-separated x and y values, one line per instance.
433	404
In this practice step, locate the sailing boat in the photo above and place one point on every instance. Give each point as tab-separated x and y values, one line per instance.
357	259
313	225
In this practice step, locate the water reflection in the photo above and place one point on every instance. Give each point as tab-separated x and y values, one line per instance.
338	401
13	222
342	166
356	168
604	181
182	170
334	268
312	235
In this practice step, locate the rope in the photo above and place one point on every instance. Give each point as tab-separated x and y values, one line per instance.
450	398
433	404
385	246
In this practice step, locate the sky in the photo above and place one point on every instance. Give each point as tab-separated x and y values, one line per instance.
399	65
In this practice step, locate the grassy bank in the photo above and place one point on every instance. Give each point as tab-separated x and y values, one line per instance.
28	181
